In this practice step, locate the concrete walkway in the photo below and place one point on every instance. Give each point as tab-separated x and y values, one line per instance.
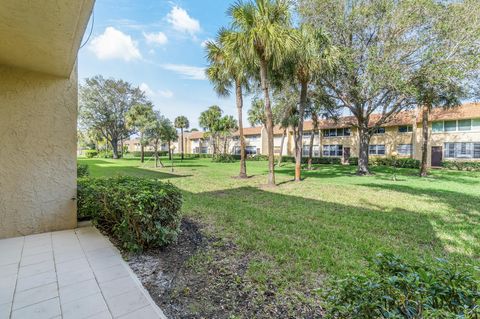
69	274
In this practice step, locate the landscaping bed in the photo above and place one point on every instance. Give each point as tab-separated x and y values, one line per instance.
205	277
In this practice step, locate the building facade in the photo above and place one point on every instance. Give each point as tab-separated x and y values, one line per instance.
454	134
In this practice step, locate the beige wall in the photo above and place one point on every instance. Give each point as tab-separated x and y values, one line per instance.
38	115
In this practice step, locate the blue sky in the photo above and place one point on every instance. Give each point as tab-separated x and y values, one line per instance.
158	45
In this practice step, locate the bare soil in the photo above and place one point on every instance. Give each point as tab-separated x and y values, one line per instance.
205	277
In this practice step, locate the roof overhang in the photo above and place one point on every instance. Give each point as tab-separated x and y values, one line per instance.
43	36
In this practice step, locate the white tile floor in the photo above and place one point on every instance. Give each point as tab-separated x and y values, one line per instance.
69	274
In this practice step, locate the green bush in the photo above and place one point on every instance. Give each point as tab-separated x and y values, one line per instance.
462	166
90	153
223	158
353	161
140	213
82	170
149	154
315	160
396	289
105	154
399	162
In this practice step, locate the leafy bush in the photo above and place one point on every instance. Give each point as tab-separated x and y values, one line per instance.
223	158
462	166
105	154
90	153
140	213
149	154
353	161
396	289
399	162
82	170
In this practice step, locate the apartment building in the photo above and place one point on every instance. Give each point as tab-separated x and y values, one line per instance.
454	135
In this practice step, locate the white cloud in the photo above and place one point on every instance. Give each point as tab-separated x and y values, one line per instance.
114	44
204	43
188	72
152	94
181	21
156	38
166	93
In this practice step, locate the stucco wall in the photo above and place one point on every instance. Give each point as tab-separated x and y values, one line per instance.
38	116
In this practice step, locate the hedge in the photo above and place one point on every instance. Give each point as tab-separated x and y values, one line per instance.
398	162
462	166
393	288
90	153
148	154
140	213
82	170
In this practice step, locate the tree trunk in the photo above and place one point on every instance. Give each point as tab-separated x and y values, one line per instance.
281	146
364	141
424	165
243	161
181	130
121	146
142	149
299	141
269	121
114	143
169	150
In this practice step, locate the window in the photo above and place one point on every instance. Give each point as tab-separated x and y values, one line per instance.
307	134
465	125
337	132
252	138
332	150
437	127
251	150
315	151
404	149
376	150
476	124
450	126
462	150
203	150
379	130
405	129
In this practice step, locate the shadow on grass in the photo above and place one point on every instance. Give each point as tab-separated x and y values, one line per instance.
112	168
304	235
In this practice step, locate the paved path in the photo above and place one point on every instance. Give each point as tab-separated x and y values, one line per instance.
69	274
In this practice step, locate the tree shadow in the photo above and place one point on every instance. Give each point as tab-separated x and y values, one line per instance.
307	236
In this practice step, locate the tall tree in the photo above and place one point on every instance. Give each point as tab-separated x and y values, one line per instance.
256	113
378	44
227	126
449	64
210	121
310	54
169	135
261	32
182	123
104	104
139	118
228	70
156	132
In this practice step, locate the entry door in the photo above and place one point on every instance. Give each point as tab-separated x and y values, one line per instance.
346	154
437	156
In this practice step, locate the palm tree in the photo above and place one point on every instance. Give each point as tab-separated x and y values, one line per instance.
228	70
181	122
261	33
139	117
210	121
306	61
228	125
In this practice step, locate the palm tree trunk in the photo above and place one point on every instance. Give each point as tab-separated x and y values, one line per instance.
243	162
181	130
299	144
142	148
269	121
281	146
424	166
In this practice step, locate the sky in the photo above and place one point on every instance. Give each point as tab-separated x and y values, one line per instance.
157	45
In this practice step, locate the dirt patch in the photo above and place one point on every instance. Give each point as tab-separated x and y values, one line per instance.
205	277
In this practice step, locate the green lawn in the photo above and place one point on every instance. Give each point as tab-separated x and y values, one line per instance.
329	223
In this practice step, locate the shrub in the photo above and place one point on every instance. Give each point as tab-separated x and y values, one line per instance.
462	166
82	170
90	153
105	154
149	154
223	158
396	289
139	213
353	161
399	162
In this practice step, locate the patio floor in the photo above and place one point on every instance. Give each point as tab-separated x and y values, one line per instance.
69	274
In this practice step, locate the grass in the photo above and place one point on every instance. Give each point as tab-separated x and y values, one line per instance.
329	223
